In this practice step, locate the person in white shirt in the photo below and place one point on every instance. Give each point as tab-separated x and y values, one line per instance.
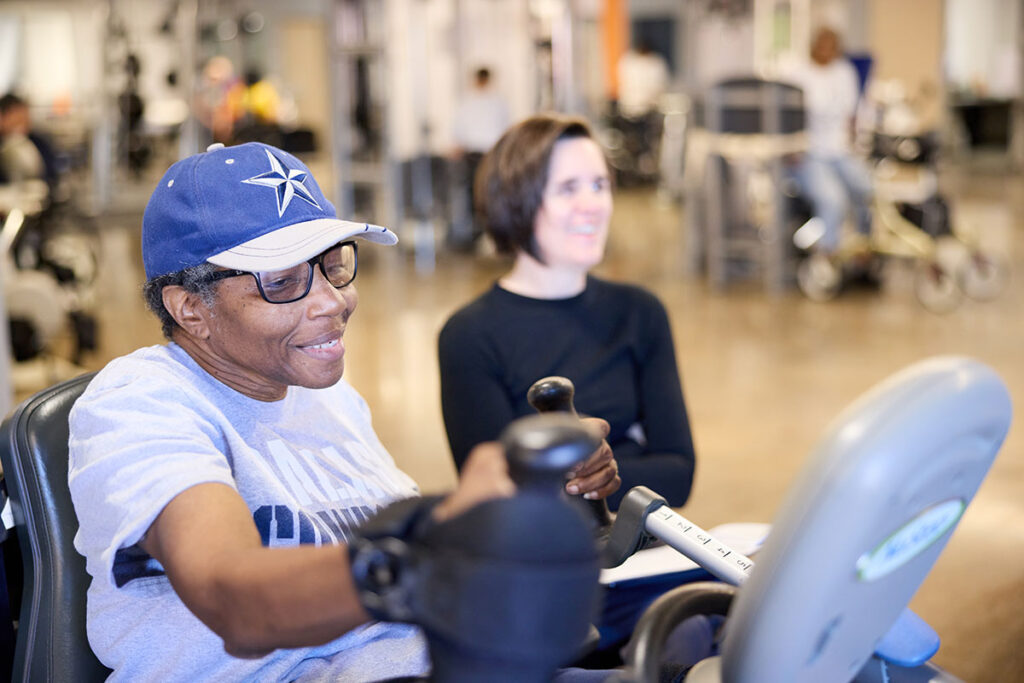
830	176
480	118
643	77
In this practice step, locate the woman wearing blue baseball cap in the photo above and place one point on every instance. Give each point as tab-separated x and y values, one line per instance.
222	481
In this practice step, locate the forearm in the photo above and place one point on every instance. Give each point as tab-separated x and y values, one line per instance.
260	599
256	598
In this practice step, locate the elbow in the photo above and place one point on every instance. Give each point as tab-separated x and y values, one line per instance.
244	634
240	642
230	612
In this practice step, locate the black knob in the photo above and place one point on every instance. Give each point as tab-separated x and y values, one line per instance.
552	394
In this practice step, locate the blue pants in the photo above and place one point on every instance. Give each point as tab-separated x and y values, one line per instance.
834	186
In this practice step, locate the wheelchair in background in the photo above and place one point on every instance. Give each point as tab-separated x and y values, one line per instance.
912	221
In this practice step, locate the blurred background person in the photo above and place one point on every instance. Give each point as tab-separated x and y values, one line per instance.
259	119
545	196
643	77
25	154
829	175
481	116
220	99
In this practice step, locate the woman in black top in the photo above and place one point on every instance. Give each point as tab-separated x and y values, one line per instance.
545	197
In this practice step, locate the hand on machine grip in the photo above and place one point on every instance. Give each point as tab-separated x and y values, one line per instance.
484	477
540	590
598	476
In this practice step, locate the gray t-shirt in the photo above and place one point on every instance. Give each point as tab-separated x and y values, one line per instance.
310	468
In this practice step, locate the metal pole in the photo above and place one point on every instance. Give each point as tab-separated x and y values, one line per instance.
188	141
562	59
103	133
422	176
341	106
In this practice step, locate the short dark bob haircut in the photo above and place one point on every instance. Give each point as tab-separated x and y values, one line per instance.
509	185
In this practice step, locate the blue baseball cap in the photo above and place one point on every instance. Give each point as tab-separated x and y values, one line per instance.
249	207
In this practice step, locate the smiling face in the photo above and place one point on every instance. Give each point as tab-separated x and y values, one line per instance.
571	226
260	349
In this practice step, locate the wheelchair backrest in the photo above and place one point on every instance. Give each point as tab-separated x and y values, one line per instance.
51	641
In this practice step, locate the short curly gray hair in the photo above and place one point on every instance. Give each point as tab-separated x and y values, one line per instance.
194	280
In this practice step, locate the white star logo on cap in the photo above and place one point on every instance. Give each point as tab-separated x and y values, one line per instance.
288	183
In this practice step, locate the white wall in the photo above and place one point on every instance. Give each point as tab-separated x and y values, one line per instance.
51	53
496	34
431	52
982	47
724	48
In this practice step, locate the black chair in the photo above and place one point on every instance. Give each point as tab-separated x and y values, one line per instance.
51	643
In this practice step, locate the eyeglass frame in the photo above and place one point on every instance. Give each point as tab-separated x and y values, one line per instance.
219	275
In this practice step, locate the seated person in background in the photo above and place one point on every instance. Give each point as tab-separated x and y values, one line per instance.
546	199
545	196
829	175
643	78
217	479
24	154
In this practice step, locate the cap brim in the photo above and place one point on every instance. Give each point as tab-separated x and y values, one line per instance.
296	243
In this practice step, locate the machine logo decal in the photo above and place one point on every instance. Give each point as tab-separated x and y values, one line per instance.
910	540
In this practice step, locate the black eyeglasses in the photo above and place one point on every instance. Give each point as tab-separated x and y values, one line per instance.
338	264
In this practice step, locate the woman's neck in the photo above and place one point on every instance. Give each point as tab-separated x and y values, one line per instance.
529	277
234	377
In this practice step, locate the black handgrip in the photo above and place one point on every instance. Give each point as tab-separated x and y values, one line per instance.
555	395
541	449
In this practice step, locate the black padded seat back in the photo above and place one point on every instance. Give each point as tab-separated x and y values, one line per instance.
51	642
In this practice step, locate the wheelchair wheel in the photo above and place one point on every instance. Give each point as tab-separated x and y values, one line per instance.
819	278
981	276
649	644
936	287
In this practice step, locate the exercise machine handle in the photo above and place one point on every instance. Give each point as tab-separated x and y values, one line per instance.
541	449
644	516
555	395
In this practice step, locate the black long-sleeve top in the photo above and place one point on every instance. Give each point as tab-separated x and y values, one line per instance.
615	344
